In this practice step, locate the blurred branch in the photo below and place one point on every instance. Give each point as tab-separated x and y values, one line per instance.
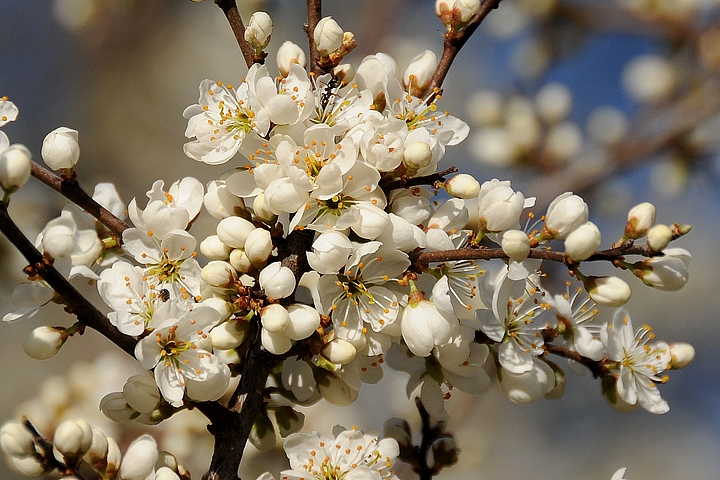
80	306
71	190
229	8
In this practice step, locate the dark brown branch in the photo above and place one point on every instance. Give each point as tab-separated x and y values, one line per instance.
81	307
314	9
481	253
454	40
229	8
412	182
45	456
231	428
597	367
71	190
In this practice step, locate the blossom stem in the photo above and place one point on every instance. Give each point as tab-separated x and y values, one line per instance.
453	41
412	182
81	307
314	9
72	191
230	9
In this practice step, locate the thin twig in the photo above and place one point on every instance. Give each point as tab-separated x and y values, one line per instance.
415	181
81	307
454	40
229	8
71	190
314	9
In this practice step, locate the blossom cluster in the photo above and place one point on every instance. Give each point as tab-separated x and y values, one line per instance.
333	241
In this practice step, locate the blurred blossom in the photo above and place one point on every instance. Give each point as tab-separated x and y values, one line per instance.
669	177
530	60
649	78
607	125
553	102
75	14
485	107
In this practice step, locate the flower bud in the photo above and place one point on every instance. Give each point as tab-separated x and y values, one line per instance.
443	452
44	342
304	320
463	186
214	249
258	246
640	218
608	291
220	203
59	237
339	351
140	458
659	237
499	206
16	440
566	213
609	391
14	167
262	211
165	473
336	391
418	74
141	393
526	388
259	30
28	466
455	14
277	281
669	272
96	455
328	36
227	335
417	155
681	355
60	148
516	244
274	318
582	242
233	231
330	252
345	72
114	407
73	438
287	54
218	274
240	261
399	429
288	420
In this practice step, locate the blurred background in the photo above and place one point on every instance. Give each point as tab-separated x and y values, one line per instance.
618	100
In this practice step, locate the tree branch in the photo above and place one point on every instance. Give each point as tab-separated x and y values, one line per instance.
229	8
314	9
454	40
405	182
71	190
81	307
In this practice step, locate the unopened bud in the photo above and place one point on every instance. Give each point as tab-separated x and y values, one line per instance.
262	435
399	429
214	249
139	459
262	211
60	149
44	342
96	455
233	231
259	30
455	14
681	355
73	438
218	274
328	36
258	246
345	72
444	452
566	213
658	237
274	317
227	335
240	261
14	167
608	291
277	281
516	244
582	242
640	218
141	393
418	74
339	351
28	466
463	186
16	440
304	320
417	155
287	54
